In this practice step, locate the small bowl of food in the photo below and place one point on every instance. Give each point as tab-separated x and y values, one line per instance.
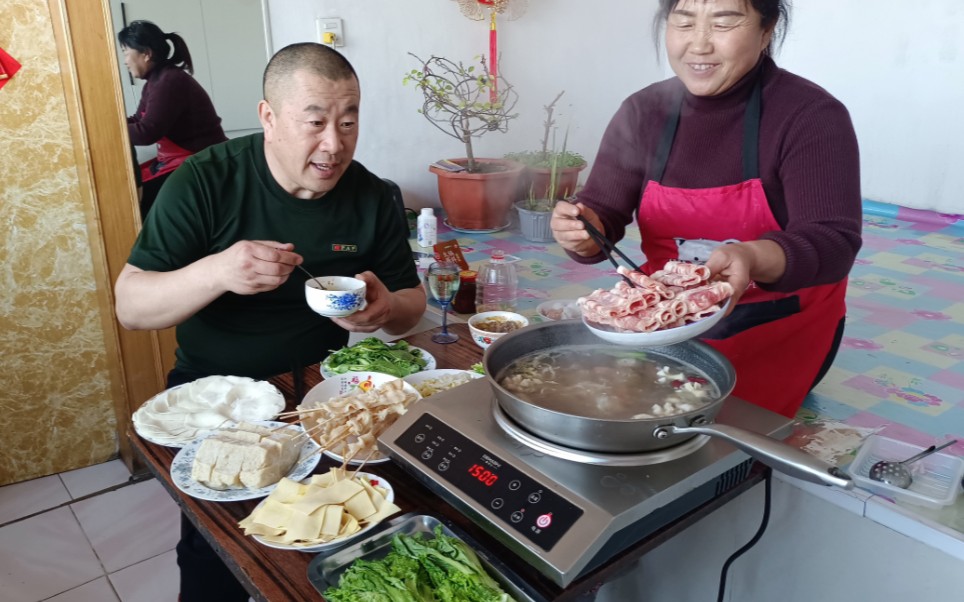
560	309
341	296
488	326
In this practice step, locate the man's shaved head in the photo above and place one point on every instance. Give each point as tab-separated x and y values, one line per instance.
316	59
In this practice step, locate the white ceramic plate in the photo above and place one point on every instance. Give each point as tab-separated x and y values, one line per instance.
658	338
181	414
430	363
389	496
182	462
417	379
563	309
340	384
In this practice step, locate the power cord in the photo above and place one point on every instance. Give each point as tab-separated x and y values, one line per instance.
753	541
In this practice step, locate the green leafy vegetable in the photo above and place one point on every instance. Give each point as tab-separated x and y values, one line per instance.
477	367
373	354
443	569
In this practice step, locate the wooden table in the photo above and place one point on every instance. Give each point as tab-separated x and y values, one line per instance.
281	575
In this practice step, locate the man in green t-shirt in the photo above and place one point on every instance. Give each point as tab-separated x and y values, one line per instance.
217	251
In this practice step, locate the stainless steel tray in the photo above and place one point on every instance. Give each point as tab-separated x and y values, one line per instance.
326	569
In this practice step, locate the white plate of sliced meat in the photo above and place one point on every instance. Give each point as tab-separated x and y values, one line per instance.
673	305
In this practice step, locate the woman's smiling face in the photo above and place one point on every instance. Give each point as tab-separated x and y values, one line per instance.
712	44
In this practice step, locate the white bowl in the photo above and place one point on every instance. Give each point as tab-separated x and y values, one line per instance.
419	379
559	309
320	547
658	338
340	384
484	338
344	295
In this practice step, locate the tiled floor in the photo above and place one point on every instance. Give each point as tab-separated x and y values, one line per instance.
89	535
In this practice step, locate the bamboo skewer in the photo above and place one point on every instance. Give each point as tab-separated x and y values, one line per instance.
365	461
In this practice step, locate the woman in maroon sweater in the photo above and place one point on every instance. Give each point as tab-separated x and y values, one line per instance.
174	112
748	168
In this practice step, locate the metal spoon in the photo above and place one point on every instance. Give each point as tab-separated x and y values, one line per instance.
896	473
318	282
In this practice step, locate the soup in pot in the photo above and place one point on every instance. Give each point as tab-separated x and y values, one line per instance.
598	381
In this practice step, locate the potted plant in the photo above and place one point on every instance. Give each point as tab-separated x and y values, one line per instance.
535	211
538	163
466	102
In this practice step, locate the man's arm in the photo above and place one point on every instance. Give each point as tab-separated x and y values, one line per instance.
153	300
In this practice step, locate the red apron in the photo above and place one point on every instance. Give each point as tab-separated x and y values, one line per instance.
777	342
169	157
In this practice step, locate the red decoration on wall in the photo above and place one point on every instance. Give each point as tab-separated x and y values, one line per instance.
493	59
8	67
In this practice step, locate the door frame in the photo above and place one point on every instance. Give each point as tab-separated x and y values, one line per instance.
89	68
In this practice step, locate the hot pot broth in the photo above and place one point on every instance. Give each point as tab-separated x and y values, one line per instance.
598	381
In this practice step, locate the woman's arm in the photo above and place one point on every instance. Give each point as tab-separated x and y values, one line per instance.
820	176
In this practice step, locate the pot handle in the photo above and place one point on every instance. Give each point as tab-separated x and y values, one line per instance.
775	454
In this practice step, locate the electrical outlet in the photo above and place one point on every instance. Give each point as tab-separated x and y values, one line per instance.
330	25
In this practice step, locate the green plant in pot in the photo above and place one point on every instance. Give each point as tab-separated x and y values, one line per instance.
535	211
465	102
539	163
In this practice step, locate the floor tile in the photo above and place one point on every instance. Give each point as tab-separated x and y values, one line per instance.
131	524
85	481
153	580
43	556
28	497
98	590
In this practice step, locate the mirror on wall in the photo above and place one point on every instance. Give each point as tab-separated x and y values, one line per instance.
230	45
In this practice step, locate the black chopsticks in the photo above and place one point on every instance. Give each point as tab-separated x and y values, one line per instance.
608	248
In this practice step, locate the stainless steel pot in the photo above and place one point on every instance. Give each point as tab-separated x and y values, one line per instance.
636	436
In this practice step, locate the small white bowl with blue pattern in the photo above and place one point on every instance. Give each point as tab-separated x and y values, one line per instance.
342	296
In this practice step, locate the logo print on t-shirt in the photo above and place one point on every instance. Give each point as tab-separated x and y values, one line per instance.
342	248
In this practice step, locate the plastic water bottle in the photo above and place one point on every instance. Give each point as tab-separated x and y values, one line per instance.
496	285
427	228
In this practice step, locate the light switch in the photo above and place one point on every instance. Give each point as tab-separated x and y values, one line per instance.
330	25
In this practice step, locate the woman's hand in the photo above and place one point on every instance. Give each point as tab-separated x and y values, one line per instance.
570	233
744	262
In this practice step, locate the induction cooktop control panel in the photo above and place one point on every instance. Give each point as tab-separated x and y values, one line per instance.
521	502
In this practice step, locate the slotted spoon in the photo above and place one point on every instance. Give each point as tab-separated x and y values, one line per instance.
897	473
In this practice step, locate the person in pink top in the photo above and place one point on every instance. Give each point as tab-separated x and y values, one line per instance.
743	166
174	112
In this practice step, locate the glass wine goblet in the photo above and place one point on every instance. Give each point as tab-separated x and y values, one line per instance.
443	283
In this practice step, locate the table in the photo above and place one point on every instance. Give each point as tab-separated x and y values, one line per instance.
280	575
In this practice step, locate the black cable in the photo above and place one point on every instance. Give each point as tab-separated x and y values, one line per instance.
756	537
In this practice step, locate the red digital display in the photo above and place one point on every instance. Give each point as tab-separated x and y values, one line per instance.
483	475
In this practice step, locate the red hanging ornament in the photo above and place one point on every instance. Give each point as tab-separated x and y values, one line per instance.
493	57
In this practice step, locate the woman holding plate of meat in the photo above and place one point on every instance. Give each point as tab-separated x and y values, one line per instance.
751	169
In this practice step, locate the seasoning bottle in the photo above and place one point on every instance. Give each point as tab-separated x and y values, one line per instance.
496	285
427	228
464	302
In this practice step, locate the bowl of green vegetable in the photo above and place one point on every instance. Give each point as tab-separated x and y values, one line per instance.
374	355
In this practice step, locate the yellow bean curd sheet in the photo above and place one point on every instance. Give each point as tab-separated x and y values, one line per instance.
329	506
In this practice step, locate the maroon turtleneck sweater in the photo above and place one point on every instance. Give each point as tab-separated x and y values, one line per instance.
809	165
174	105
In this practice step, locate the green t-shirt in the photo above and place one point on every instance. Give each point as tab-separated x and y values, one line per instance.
225	194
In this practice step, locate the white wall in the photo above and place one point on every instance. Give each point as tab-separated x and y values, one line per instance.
596	52
898	66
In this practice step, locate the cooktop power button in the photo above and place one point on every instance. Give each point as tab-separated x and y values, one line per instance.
544	521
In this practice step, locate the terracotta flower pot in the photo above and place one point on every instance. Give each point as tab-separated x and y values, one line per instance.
479	201
537	182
